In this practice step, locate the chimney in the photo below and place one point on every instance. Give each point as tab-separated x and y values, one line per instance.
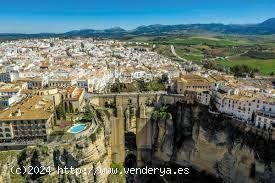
19	112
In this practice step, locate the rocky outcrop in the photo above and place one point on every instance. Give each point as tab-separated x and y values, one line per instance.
193	137
163	135
86	155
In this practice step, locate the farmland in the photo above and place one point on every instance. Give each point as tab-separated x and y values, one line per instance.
265	67
227	51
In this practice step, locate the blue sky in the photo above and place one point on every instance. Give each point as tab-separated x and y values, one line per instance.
34	16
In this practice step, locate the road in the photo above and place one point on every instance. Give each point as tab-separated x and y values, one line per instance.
189	63
176	55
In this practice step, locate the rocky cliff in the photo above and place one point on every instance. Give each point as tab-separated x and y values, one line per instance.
86	155
182	135
191	136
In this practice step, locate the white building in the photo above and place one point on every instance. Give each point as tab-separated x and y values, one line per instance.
8	77
6	102
203	97
265	119
265	116
258	109
83	83
138	74
239	106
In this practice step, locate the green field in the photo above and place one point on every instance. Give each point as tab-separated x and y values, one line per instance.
209	41
225	50
188	53
265	66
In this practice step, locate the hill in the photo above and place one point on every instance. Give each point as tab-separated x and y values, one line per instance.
265	28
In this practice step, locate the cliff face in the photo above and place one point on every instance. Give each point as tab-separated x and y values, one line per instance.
191	136
86	155
181	135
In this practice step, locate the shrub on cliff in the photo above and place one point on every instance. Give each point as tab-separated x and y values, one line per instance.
160	113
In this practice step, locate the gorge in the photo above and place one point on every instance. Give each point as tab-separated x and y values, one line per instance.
159	131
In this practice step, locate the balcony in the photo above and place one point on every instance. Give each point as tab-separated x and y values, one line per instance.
266	114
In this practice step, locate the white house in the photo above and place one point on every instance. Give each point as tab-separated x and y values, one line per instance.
204	97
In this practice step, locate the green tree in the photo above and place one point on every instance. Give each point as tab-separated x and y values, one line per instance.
164	78
93	137
116	87
60	112
160	113
213	65
88	114
244	70
155	85
141	85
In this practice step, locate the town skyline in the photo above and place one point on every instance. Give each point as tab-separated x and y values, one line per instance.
137	91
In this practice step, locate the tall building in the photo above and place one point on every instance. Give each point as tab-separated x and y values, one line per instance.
73	99
31	119
192	82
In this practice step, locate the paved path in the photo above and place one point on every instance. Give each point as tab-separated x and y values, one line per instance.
176	55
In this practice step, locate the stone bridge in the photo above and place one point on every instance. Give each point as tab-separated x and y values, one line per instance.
132	113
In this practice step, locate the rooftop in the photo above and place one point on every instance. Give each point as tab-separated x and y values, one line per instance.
193	79
74	92
35	107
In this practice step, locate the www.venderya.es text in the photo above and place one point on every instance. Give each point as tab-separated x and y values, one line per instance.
101	170
135	171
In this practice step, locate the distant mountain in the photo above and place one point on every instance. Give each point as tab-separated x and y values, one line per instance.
268	23
265	28
116	31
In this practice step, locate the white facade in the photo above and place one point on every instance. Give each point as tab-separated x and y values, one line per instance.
204	97
265	120
244	107
239	108
265	117
82	83
6	102
8	77
138	75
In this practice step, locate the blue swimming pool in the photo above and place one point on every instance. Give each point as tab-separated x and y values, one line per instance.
77	128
